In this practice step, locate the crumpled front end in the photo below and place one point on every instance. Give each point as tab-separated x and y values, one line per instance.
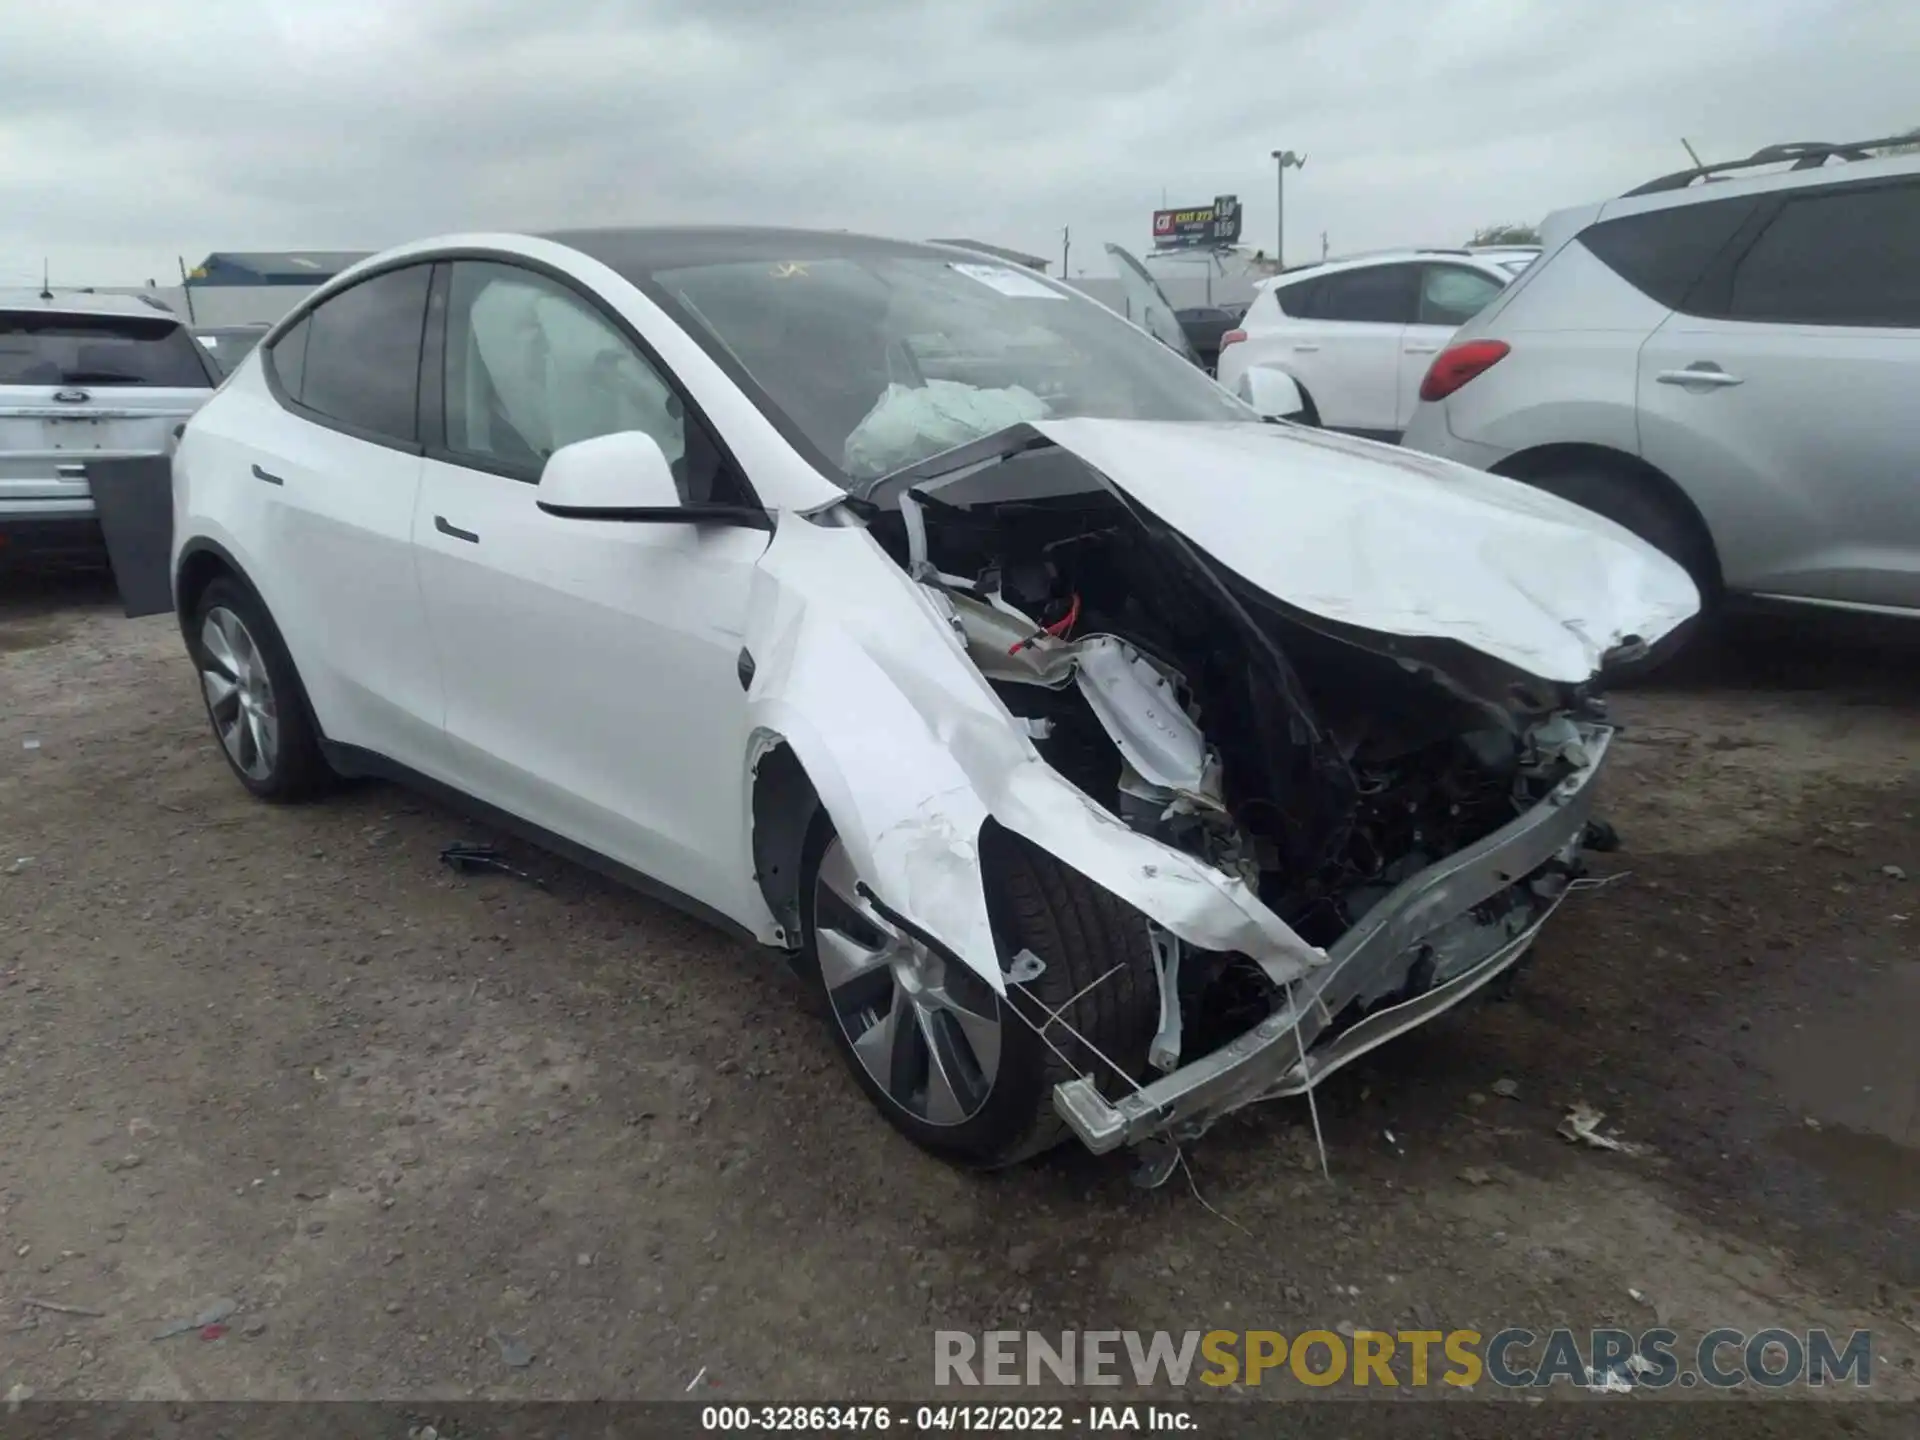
1330	832
1436	938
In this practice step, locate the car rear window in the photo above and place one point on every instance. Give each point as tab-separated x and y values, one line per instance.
104	350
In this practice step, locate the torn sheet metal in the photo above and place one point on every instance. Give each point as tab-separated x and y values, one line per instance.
1395	541
910	750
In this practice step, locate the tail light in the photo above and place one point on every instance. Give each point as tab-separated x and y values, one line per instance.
1232	337
1457	364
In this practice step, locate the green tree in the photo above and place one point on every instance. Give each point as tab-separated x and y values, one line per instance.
1508	234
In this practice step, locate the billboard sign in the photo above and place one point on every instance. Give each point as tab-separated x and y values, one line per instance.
1202	226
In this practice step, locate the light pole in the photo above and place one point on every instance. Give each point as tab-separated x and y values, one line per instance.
1282	159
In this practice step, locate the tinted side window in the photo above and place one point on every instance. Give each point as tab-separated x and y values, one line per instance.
363	357
531	366
1453	294
1839	257
1380	295
288	357
1662	253
1301	300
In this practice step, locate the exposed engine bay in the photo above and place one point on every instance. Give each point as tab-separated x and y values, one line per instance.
1322	767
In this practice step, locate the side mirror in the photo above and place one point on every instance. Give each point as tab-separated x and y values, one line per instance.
1274	393
626	476
623	471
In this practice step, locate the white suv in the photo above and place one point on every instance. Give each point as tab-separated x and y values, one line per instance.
1726	361
1357	335
84	378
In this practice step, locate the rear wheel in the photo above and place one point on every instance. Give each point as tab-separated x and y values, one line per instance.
962	1071
253	695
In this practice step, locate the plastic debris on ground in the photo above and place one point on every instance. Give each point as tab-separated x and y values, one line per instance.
1582	1127
466	858
207	1319
513	1350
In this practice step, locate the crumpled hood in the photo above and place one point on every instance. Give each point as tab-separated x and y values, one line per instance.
1394	541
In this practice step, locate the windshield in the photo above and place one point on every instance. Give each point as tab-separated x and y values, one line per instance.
47	349
880	360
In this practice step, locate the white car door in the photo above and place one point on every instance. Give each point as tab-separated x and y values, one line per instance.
323	478
592	667
1787	406
1450	295
1345	345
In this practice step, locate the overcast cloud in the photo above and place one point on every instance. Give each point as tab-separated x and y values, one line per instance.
134	133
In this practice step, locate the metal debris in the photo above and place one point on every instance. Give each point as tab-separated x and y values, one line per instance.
59	1309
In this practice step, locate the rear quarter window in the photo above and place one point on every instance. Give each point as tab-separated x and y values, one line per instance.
99	350
1297	300
1664	253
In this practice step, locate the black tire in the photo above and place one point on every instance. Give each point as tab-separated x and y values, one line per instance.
1082	933
1632	502
1310	415
298	770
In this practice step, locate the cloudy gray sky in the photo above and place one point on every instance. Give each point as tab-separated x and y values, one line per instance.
133	133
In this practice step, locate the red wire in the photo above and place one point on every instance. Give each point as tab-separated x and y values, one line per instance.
1058	629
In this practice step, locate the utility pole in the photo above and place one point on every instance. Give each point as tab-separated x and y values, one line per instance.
1066	248
1323	245
1282	159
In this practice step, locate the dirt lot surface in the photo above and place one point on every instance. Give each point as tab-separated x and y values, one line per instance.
417	1126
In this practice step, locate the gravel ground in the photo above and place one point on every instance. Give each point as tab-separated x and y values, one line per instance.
417	1127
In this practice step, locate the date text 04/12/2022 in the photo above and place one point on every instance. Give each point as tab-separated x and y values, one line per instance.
939	1419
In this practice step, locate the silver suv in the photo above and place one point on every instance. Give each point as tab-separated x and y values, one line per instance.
1727	362
84	378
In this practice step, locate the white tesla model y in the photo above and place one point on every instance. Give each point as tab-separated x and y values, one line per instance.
1110	755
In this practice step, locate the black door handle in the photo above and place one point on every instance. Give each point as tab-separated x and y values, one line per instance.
260	474
440	524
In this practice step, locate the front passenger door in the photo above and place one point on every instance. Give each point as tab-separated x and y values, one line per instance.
591	667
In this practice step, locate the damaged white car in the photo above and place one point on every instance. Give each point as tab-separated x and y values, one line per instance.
1108	756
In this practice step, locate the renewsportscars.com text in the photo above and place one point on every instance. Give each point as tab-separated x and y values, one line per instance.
1511	1358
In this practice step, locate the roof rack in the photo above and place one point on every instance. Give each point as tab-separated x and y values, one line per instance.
1805	155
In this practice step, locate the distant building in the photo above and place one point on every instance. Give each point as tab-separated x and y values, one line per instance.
246	287
272	267
999	252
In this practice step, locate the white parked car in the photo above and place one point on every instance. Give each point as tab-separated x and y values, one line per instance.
1725	362
1357	335
84	378
1108	757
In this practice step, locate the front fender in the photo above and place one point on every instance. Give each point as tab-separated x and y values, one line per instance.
909	750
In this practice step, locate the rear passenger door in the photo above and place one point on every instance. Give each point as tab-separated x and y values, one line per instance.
335	471
1450	295
1347	346
1782	394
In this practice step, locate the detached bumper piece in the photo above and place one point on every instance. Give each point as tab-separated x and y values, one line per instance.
1434	934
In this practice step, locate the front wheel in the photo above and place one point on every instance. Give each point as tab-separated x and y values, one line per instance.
253	695
963	1071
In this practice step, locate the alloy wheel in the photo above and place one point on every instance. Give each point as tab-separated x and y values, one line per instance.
927	1032
239	694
